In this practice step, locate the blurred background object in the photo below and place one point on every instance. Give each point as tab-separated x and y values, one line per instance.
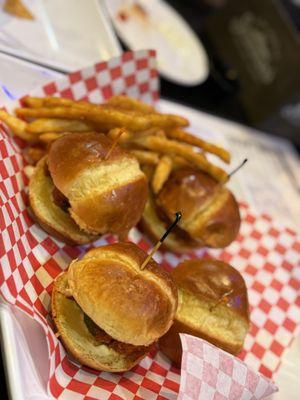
64	35
253	48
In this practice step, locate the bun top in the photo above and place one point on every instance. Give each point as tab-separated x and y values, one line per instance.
213	281
210	213
105	196
131	305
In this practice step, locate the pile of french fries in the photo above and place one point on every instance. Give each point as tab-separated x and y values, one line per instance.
157	140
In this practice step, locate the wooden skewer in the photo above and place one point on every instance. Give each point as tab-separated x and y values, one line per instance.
178	216
115	142
237	168
222	299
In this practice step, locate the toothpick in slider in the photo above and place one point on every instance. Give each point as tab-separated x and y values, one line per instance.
178	216
115	142
237	168
222	299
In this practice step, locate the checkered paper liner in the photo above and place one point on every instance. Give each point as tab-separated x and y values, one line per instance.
212	374
266	254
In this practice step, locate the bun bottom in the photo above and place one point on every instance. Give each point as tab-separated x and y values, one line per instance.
47	214
78	340
154	228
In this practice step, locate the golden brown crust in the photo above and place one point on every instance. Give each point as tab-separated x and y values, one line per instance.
47	214
132	305
154	227
114	211
72	153
210	213
83	349
220	292
105	196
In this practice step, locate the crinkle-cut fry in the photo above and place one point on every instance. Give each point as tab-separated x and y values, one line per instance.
179	134
175	148
108	117
128	103
17	126
43	125
49	137
115	133
36	153
145	157
161	173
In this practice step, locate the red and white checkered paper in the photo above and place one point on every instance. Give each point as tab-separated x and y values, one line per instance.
266	254
212	374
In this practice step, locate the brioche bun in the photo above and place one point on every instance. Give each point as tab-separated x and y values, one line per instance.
213	305
47	214
154	228
133	307
210	213
105	196
77	339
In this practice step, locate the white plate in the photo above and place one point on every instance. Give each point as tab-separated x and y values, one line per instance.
24	345
155	25
66	35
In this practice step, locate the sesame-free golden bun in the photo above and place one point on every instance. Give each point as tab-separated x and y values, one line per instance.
210	213
212	305
105	196
133	306
47	214
78	341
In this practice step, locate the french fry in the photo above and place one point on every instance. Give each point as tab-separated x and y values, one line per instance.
105	117
17	9
34	102
148	171
36	153
18	126
128	103
146	157
166	121
49	137
172	147
29	170
179	162
161	173
43	125
115	133
40	102
186	137
154	131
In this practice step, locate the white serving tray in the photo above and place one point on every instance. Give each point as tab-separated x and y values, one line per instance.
23	341
66	35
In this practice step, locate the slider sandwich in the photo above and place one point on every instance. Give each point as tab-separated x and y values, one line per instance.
210	213
86	187
212	305
107	311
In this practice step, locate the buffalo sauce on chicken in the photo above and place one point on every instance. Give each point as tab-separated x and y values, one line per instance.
60	199
101	337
